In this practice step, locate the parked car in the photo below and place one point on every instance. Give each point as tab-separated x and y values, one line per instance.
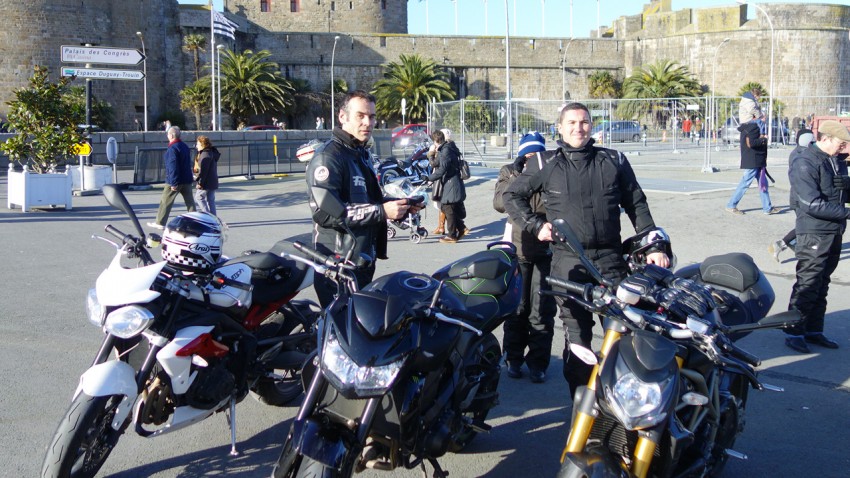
618	131
260	127
408	134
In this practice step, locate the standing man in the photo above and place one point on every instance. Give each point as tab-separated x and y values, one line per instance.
178	177
585	186
686	127
343	191
820	183
532	326
754	164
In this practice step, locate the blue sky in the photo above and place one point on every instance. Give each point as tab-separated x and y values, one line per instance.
440	17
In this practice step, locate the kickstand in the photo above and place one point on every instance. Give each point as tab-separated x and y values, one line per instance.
438	472
231	421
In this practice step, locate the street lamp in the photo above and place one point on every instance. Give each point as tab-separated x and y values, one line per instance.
218	49
564	71
145	74
455	2
485	17
772	41
543	18
333	105
508	122
712	110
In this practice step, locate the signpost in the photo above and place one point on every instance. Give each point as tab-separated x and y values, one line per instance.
103	74
103	55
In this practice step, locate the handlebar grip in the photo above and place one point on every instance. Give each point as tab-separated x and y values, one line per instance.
115	232
742	354
316	255
582	290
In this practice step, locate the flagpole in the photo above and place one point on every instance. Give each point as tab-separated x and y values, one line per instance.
212	62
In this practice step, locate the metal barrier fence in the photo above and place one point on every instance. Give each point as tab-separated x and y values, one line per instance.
479	124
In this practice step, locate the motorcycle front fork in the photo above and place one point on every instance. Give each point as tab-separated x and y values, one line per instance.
585	417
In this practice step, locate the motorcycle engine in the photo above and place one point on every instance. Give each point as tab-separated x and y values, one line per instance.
212	385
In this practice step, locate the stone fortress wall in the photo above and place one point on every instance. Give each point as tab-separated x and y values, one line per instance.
812	48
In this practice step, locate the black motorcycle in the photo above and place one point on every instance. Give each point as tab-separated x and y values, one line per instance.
668	390
407	368
416	167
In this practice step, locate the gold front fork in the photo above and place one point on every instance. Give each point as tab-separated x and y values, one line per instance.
643	457
583	422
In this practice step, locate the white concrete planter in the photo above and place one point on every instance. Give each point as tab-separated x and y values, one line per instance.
29	190
95	177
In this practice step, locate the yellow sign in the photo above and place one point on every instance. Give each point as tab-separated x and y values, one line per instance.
82	149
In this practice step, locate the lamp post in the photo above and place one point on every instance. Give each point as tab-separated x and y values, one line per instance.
455	2
770	87
564	71
333	105
508	122
145	74
543	18
598	31
707	168
485	17
571	19
218	49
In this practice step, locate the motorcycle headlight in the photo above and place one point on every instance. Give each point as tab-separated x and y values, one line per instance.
344	374
128	321
96	311
638	404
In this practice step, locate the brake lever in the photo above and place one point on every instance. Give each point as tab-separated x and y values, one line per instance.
110	241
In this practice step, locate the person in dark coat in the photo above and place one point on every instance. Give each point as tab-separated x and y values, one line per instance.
206	174
820	183
178	177
533	324
754	164
453	192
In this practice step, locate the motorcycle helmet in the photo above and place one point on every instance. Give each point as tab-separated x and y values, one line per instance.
637	247
192	242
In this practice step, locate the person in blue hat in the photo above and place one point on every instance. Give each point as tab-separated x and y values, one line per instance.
532	326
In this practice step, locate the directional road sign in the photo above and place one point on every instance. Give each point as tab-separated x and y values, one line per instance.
100	54
103	74
82	149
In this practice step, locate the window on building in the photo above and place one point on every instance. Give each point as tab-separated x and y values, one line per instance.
333	6
383	4
383	42
294	6
265	5
351	5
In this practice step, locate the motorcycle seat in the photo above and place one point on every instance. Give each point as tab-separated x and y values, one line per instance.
735	270
272	276
487	286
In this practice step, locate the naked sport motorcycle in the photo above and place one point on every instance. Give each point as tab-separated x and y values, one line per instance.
669	387
178	348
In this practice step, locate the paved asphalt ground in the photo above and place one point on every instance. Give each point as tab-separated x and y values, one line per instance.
49	262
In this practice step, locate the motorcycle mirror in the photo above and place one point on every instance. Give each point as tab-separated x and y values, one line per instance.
583	353
116	199
564	233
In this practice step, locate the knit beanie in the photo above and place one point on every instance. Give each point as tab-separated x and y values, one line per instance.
532	142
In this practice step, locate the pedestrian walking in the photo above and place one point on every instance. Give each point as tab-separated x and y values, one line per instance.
453	194
754	163
178	177
206	175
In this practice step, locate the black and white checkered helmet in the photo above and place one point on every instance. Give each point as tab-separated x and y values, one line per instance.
193	241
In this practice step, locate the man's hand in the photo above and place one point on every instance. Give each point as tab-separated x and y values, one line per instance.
545	233
396	210
660	259
841	182
174	188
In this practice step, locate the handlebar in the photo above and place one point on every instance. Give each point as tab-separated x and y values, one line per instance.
125	238
322	259
740	353
587	292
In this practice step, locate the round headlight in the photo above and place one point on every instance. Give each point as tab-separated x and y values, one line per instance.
128	321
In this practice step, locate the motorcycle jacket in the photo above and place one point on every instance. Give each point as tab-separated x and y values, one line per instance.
341	167
586	187
818	203
527	244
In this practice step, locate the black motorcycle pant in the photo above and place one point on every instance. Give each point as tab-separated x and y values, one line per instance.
326	289
533	324
578	322
817	258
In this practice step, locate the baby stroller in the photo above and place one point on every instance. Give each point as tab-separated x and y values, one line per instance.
403	188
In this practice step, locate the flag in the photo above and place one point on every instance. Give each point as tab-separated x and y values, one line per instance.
222	26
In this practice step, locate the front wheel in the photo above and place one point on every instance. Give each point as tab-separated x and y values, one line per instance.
488	355
310	468
389	176
84	439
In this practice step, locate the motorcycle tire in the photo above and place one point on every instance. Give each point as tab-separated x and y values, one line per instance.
310	468
280	392
84	438
389	176
489	354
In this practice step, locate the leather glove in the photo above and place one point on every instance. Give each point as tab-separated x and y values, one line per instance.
841	182
685	297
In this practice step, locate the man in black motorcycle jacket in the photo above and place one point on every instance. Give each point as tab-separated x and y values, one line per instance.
586	186
821	188
341	168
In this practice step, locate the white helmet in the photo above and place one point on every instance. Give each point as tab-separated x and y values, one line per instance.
192	242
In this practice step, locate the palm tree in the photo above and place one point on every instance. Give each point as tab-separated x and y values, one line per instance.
602	84
251	84
664	79
414	78
194	44
196	97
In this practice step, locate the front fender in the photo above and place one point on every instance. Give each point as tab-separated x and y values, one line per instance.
591	465
313	440
108	378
